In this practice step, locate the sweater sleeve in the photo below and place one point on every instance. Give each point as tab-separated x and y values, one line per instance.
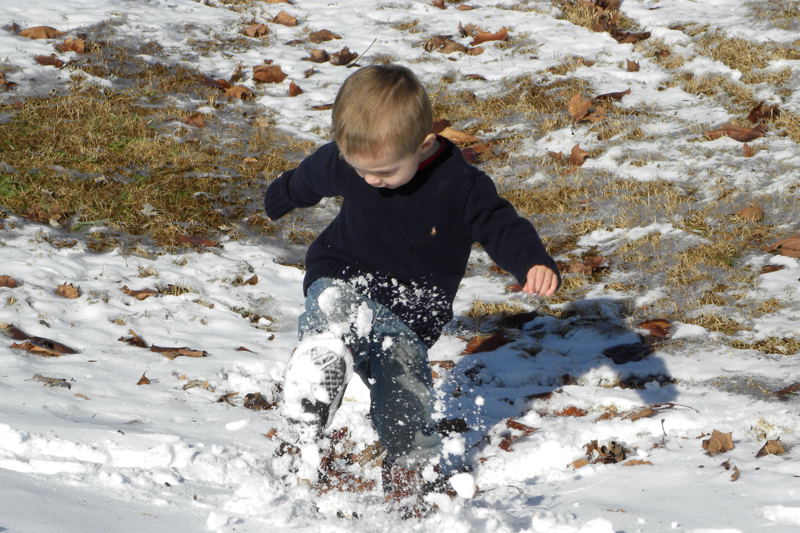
509	239
305	185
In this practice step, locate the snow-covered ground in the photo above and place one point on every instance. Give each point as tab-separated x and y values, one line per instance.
87	445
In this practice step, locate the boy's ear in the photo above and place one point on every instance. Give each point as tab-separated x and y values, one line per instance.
427	142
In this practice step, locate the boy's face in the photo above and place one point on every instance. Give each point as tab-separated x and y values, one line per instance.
390	171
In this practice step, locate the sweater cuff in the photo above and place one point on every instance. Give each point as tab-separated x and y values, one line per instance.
276	201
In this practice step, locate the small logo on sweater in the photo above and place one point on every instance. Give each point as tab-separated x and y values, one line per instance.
433	231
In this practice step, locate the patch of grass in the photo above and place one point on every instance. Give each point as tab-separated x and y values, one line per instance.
411	26
770	345
741	54
482	310
9	187
775	78
789	124
769	306
715	85
784	14
717	323
175	289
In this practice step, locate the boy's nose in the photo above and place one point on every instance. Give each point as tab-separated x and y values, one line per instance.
373	180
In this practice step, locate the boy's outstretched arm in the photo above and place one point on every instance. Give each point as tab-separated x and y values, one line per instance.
541	281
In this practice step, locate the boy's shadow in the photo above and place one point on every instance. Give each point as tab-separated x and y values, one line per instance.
589	345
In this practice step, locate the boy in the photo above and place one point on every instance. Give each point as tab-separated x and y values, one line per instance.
381	278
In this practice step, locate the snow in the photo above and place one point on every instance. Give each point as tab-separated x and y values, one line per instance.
108	455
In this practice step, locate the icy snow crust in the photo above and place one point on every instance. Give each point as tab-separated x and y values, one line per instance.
107	454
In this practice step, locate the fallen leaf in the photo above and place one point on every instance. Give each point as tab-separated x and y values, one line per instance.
570	411
485	343
519	426
737	132
323	35
197	241
474	77
239	91
478	153
15	333
322	107
257	402
8	281
623	37
484	36
42	346
597	115
68	290
580	463
790	247
243	349
763	112
196	119
272	433
52	382
747	150
439	4
294	89
228	398
475	51
736	473
72	45
256	30
6	84
578	107
771	447
636	462
657	327
458	136
633	66
447	365
172	353
342	57
140	294
787	392
217	83
41	32
317	55
766	269
51	61
718	443
613	96
198	384
144	380
285	18
751	213
443	44
466	7
81	396
133	340
268	74
252	280
309	72
577	156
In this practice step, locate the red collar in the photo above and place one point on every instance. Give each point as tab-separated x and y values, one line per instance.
432	158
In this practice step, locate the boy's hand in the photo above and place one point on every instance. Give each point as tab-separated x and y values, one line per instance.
541	281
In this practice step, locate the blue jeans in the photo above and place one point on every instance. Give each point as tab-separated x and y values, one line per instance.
390	359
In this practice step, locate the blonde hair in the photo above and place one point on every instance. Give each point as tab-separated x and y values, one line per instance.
381	107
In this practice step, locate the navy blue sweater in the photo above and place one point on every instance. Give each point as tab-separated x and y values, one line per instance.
407	248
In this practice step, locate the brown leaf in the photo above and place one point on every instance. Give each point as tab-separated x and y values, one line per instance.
475	51
766	269
243	349
172	353
638	414
50	60
558	156
623	37
636	462
323	35
439	4
597	115
285	18
478	153
485	343
15	333
613	96
133	340
294	89
342	57
718	443
52	382
443	44
239	91
196	119
439	124
309	72
633	66
68	290
737	132
8	281
144	380
786	392
751	213
140	294
771	447
571	411
322	107
747	150
268	74
474	77
458	136
256	30
6	84
317	55
43	346
257	402
447	365
577	156
228	398
578	107
72	45
736	473
41	32
197	240
519	426
484	36
580	463
466	7
790	247
763	112
657	327
217	83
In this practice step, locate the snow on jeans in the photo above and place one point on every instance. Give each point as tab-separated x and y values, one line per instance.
391	360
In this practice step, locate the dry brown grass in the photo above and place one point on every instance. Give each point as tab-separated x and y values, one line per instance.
776	78
717	86
741	54
481	310
784	14
716	322
770	345
789	124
